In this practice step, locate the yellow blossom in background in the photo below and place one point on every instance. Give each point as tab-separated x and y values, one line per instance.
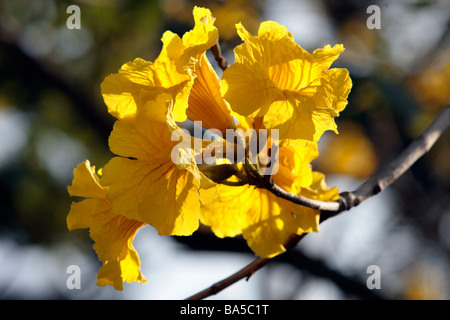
430	89
293	90
424	281
351	152
113	235
230	12
430	86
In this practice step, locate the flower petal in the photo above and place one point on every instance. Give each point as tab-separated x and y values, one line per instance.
271	223
205	100
172	204
143	137
164	73
224	210
300	117
147	185
122	92
160	195
264	220
273	77
294	172
113	235
319	190
202	37
86	182
247	88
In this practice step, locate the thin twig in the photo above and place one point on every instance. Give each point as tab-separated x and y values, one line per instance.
217	53
405	160
347	200
311	203
246	272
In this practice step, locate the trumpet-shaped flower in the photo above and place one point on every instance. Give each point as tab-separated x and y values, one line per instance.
144	182
182	70
113	234
294	91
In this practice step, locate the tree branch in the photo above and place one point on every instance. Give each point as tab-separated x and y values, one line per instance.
405	160
246	272
380	181
347	200
350	284
311	203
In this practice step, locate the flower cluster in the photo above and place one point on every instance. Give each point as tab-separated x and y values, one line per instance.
274	86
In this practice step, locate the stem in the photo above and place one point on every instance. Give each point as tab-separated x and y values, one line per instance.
217	53
234	183
311	203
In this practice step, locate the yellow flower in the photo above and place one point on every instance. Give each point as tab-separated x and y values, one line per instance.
264	220
228	13
144	182
293	90
113	234
148	99
351	152
142	185
182	70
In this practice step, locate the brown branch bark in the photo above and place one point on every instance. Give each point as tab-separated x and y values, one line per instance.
245	272
217	53
347	200
311	203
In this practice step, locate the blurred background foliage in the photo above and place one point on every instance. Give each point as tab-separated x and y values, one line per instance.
52	117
